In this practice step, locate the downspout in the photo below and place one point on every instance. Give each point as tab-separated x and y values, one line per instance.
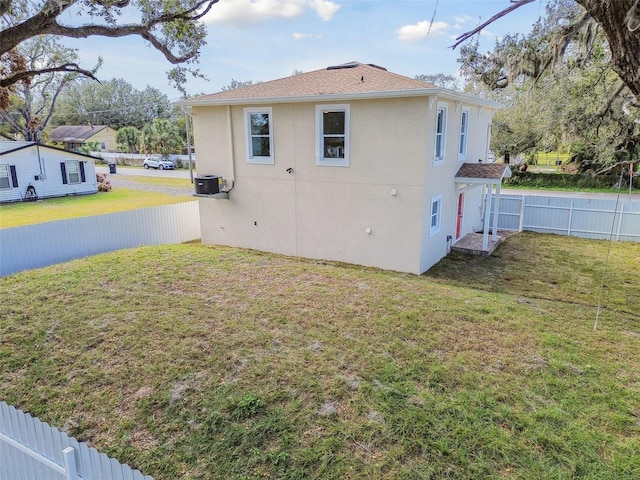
186	122
233	154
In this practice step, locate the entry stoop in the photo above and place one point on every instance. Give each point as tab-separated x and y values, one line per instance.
471	244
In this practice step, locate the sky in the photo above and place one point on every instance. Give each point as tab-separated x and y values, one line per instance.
261	40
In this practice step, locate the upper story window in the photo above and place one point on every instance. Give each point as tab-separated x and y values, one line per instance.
259	135
332	137
464	134
436	214
441	134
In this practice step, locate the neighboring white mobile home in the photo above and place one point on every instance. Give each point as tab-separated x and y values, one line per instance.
350	163
27	168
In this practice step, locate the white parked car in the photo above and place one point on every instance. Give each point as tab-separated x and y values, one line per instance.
158	162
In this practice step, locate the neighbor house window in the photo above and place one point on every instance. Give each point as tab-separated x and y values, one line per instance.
436	214
464	134
72	172
5	179
259	135
332	142
441	131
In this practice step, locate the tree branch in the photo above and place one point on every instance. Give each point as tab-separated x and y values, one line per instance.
25	74
466	36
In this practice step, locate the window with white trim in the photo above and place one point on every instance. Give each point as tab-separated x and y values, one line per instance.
73	171
464	134
259	135
5	181
332	135
436	214
441	134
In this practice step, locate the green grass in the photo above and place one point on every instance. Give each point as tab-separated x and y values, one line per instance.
50	209
207	362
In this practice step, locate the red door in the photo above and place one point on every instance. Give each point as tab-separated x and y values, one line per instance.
459	218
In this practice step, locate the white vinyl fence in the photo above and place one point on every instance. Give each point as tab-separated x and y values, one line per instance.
33	450
35	246
578	217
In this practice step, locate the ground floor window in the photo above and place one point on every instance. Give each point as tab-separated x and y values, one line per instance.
72	172
436	214
5	181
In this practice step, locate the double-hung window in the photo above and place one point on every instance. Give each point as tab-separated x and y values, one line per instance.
5	181
332	137
436	214
441	134
73	171
259	135
464	134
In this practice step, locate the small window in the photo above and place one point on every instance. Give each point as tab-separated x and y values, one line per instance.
259	135
332	135
5	181
464	134
73	171
441	134
436	213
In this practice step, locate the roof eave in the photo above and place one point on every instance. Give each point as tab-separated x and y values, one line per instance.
336	97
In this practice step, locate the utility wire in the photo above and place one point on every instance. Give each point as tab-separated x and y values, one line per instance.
606	263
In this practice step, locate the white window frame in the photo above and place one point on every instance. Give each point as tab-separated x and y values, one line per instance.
439	154
435	217
464	134
5	172
321	160
69	173
250	157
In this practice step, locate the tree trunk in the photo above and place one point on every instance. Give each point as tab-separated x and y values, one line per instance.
617	17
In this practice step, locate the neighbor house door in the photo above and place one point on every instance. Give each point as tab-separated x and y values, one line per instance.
459	216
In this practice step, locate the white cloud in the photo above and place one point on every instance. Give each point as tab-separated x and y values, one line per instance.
302	36
419	31
324	8
242	12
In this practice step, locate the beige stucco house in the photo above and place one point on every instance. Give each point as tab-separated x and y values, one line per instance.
349	163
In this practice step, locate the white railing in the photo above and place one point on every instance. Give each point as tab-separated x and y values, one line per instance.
42	244
579	217
32	450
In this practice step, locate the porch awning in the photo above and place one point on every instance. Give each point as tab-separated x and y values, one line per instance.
486	173
474	175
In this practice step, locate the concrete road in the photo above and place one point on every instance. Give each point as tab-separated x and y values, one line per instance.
137	171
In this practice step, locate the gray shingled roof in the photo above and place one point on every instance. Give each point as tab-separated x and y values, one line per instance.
488	171
75	133
350	80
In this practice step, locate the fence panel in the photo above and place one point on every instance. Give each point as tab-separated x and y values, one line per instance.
35	246
31	449
580	217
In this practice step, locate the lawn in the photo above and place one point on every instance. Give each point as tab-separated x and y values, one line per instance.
117	200
204	362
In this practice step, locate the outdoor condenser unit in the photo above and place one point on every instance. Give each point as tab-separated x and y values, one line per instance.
208	184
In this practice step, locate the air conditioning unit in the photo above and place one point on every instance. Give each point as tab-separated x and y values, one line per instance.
208	184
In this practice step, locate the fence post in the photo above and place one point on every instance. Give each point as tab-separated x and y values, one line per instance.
570	219
70	463
522	209
620	221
